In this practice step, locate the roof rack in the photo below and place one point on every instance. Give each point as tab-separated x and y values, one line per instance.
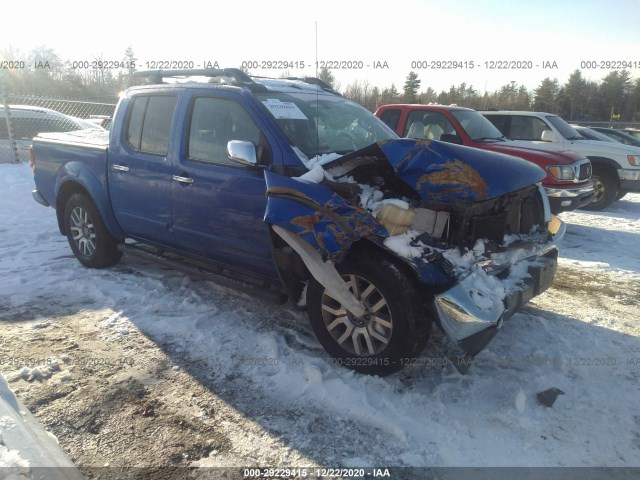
240	77
316	81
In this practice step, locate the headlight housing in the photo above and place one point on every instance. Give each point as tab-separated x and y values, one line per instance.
561	172
633	160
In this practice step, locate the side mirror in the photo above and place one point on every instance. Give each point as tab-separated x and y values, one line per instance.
242	152
451	138
548	136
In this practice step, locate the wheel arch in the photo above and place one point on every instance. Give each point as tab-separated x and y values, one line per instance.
79	179
294	273
606	164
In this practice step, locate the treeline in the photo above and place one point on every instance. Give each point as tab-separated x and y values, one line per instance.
617	95
43	73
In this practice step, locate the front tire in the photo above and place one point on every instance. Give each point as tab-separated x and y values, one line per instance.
394	329
90	241
606	190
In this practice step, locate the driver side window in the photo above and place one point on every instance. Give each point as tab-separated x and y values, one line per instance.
527	128
215	122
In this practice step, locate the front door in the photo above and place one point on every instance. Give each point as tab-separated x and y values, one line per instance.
219	205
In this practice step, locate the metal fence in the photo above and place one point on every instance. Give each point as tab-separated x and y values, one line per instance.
22	117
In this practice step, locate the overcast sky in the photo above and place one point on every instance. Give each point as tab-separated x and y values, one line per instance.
396	32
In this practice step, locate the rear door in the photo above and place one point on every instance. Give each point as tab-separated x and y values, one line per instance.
219	205
140	168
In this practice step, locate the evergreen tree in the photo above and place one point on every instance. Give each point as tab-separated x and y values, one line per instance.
411	87
546	96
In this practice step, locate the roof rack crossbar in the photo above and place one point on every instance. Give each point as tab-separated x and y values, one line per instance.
156	76
316	81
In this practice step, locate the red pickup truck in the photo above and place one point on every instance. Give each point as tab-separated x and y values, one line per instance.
567	183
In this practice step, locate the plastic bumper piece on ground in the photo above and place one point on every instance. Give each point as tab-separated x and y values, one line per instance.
32	443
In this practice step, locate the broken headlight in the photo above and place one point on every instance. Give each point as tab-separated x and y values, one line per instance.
397	220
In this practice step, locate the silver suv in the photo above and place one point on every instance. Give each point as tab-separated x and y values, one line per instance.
616	167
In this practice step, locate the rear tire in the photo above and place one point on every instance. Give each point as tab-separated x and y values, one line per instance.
606	188
394	330
90	241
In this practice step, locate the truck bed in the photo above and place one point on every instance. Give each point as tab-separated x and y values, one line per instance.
61	154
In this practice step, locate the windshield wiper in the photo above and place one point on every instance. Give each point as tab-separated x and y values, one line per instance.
577	138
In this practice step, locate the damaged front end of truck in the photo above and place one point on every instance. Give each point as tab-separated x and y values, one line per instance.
474	227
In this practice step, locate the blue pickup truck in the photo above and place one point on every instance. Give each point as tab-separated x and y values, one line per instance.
285	188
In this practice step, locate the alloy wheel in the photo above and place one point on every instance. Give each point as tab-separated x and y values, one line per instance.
362	336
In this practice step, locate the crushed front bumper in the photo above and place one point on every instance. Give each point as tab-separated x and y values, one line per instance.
472	326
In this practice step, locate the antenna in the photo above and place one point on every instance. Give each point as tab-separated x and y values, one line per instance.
317	98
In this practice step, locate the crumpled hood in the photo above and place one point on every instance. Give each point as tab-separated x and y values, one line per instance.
328	215
446	172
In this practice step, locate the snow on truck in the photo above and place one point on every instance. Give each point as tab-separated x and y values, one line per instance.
287	189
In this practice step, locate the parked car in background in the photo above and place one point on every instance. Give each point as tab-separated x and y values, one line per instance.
634	132
28	121
568	174
618	135
616	167
591	134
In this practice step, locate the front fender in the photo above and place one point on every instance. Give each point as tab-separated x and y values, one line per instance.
331	225
319	216
73	174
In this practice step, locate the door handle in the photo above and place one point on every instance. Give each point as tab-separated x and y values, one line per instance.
120	168
177	178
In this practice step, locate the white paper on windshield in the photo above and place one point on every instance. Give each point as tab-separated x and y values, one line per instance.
288	110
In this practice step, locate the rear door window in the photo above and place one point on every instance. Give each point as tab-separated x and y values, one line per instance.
527	128
149	123
501	122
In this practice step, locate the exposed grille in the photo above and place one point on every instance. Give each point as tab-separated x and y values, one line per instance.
520	215
585	171
490	227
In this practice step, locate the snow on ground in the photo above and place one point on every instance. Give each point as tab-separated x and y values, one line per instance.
428	415
604	240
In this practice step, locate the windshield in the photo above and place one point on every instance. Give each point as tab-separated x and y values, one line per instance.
566	130
319	124
590	134
477	126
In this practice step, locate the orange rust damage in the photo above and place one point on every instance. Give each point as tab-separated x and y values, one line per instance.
459	175
310	224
